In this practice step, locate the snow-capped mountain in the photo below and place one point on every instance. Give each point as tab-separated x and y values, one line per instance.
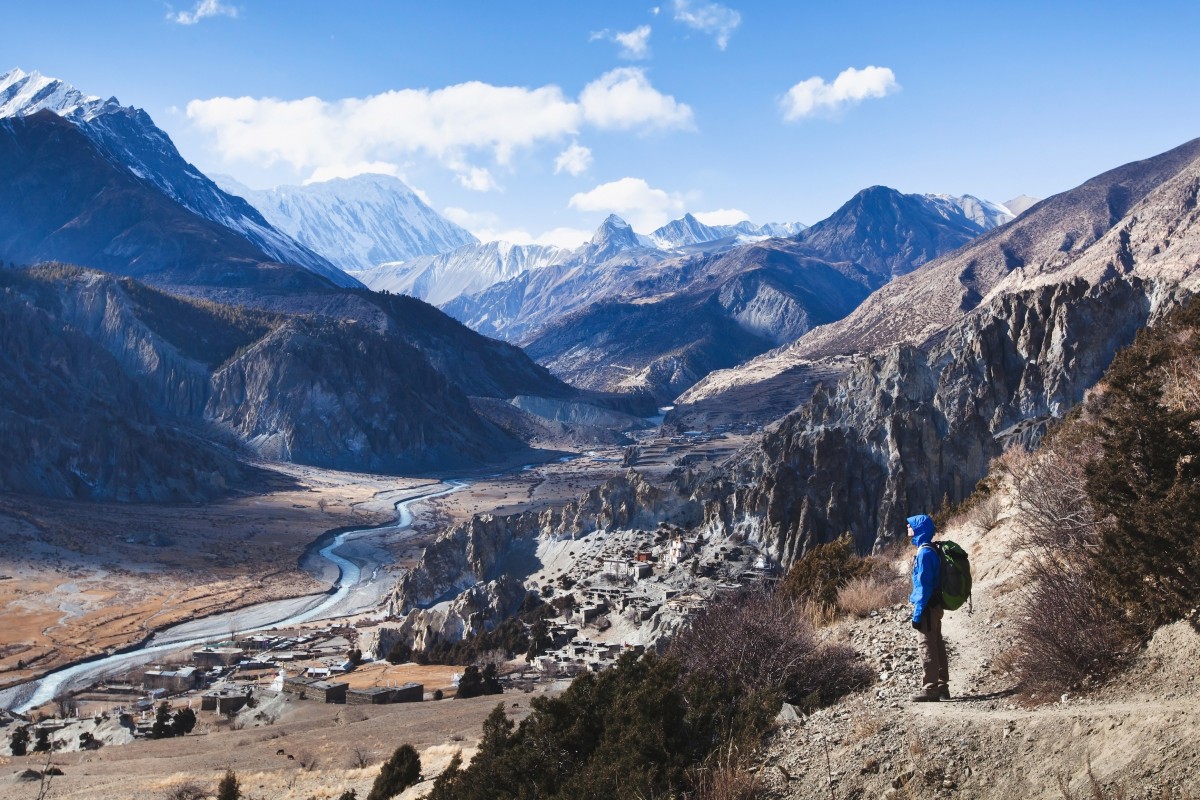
128	137
357	223
1020	204
984	213
685	231
472	268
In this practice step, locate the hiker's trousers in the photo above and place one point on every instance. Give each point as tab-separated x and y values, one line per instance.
933	650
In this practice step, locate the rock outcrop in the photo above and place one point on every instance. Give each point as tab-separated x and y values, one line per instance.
471	568
915	423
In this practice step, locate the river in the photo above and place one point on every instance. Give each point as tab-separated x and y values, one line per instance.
355	591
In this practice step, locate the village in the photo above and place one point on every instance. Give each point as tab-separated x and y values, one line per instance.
615	592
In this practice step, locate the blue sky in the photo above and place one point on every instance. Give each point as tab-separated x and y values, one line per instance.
535	120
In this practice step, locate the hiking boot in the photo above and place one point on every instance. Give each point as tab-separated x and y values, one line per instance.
943	693
926	696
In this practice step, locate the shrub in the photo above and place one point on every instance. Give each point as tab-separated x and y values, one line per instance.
727	782
399	772
757	640
860	596
1147	485
187	791
822	571
1070	635
229	788
19	741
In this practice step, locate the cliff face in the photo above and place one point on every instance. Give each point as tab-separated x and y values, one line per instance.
338	394
76	424
905	429
116	390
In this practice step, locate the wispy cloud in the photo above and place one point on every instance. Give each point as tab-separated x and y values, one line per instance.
456	125
850	87
634	44
486	227
202	10
640	204
712	18
575	160
722	216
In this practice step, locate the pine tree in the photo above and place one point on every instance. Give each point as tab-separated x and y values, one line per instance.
400	771
19	743
470	684
162	722
183	722
229	788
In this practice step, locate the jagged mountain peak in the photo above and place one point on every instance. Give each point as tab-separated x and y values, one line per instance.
129	139
614	236
889	233
24	93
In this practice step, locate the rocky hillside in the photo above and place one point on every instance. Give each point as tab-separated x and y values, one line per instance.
338	394
1048	239
65	200
78	422
1136	737
160	378
913	424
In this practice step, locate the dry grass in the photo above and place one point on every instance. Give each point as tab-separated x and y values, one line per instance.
728	782
863	595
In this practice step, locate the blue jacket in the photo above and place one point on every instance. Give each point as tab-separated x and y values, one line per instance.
925	565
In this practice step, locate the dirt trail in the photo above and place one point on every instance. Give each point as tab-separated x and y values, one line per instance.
1140	735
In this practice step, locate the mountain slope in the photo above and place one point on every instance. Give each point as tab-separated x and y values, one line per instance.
130	140
63	200
109	380
1045	240
916	422
759	296
678	322
467	270
356	223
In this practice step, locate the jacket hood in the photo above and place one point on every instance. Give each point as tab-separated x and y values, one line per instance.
923	529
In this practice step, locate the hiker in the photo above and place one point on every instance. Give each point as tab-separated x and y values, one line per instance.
927	612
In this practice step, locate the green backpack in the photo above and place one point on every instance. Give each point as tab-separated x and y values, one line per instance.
954	575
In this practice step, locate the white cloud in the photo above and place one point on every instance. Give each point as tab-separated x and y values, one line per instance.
850	87
330	171
575	160
203	9
624	99
635	43
456	125
477	179
722	216
644	207
711	18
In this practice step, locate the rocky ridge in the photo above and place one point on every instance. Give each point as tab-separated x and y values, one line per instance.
913	424
173	377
